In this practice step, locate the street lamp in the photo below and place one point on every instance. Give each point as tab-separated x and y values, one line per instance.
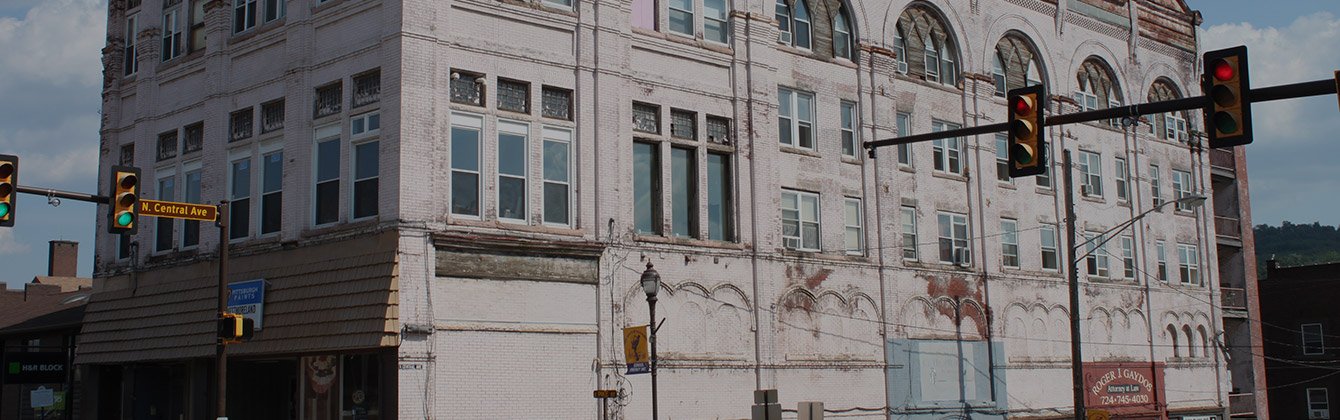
651	283
1076	360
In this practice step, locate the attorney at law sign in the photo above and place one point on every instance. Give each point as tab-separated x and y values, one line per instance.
1124	388
248	299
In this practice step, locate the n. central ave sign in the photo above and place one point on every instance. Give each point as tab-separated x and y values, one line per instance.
201	212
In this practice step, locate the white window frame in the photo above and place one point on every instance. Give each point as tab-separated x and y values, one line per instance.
471	122
962	253
722	18
160	175
366	120
1181	189
1162	261
789	101
563	136
998	75
1091	172
838	30
854	227
1321	339
671	9
1047	233
1318	413
904	121
186	170
354	179
1088	101
281	10
1123	179
320	135
796	8
1155	187
1009	242
949	156
131	50
1003	159
249	16
1174	127
266	151
172	33
850	136
799	240
1188	264
518	128
1096	264
909	219
900	49
1127	257
252	204
784	35
931	61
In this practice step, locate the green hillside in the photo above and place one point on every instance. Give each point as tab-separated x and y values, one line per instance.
1294	245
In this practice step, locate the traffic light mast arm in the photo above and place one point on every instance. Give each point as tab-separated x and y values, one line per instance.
46	192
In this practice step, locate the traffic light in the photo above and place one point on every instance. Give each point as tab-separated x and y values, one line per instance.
1228	117
234	328
9	194
124	209
1028	149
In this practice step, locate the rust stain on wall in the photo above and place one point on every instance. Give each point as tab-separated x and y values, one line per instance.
958	288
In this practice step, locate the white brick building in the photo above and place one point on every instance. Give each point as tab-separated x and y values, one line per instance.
452	203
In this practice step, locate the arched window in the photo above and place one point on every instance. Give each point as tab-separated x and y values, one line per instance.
934	55
783	16
842	39
1172	125
802	25
1098	87
1190	342
1204	342
1016	64
900	49
1172	336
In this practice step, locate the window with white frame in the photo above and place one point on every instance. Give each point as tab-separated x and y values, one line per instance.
1044	179
1097	259
684	192
244	15
853	235
849	139
366	124
954	238
1174	127
720	202
1128	257
190	232
899	48
465	170
1050	257
998	74
782	14
842	39
274	9
716	14
326	205
647	188
1181	189
1318	404
131	51
272	192
512	170
1087	100
800	220
1162	261
948	153
795	118
802	26
1123	177
239	196
1155	187
562	3
367	172
1009	243
904	121
557	176
1003	158
1091	174
171	34
1313	339
1189	268
681	16
166	191
909	215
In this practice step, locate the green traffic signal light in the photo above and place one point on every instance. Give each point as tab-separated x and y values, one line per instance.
4	209
123	219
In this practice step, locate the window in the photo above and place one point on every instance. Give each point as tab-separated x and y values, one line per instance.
467	88
127	155
244	15
1097	259
195	34
1128	257
272	116
1189	268
513	96
557	178
718	130
272	194
1172	335
1318	404
1009	242
327	202
239	125
329	100
1050	258
647	188
1313	339
683	124
366	124
1174	127
802	26
800	220
795	118
720	222
998	74
683	192
849	139
900	49
948	152
1190	341
954	238
1044	179
367	88
513	166
1181	188
1003	158
842	39
131	53
1123	192
172	42
465	164
239	196
644	14
783	18
1162	261
1086	99
715	14
646	118
563	3
1155	189
366	173
190	234
931	60
853	237
195	138
274	9
1091	174
681	16
904	121
556	103
167	145
909	233
167	191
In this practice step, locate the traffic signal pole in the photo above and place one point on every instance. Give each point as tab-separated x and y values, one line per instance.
47	192
221	350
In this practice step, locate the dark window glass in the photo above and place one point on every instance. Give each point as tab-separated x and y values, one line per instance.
646	188
328	182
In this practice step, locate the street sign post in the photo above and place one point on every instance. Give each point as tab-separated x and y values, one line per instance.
175	210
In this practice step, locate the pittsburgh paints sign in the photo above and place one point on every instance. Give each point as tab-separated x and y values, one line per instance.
1124	388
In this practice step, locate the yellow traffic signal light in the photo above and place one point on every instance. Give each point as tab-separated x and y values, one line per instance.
9	175
234	328
124	210
1028	149
1228	117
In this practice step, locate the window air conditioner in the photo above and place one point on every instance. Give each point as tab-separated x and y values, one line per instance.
1319	414
1085	189
963	257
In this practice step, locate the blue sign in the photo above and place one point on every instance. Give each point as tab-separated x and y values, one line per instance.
247	298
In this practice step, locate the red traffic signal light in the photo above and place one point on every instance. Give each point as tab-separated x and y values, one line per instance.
1228	117
9	194
123	209
1028	149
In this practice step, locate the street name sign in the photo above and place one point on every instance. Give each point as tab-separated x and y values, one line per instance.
175	210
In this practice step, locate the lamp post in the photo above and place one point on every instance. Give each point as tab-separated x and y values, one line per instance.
651	283
1076	361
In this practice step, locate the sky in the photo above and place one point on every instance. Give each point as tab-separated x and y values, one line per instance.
51	85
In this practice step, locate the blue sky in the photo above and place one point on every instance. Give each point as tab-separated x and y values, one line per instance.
52	84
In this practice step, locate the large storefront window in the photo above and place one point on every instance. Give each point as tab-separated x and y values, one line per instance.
345	387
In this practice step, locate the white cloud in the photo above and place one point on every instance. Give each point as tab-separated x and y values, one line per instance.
9	245
56	42
50	156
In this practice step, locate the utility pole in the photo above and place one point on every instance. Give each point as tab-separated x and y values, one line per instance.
1076	359
221	351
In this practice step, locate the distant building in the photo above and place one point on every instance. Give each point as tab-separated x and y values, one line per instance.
38	326
1302	340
